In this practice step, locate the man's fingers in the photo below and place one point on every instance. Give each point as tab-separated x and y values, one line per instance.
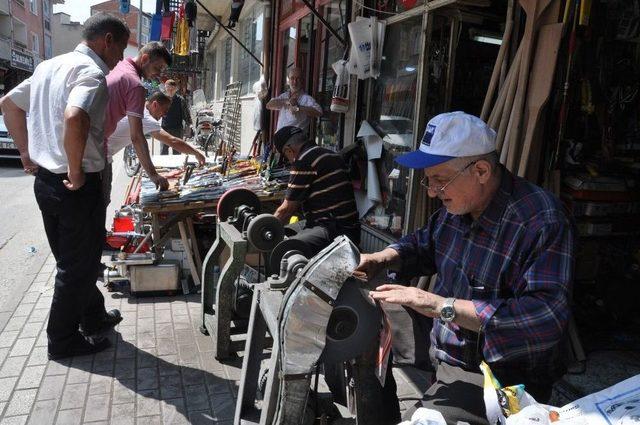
389	287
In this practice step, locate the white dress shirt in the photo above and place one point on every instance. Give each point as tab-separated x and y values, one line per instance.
287	117
121	137
77	79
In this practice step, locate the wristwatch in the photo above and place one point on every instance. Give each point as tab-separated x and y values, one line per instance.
296	108
448	312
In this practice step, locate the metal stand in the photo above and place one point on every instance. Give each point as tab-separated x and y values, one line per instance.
217	295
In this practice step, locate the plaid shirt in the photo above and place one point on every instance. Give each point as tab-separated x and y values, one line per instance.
515	262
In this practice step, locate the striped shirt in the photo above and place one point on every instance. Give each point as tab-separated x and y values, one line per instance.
319	180
515	262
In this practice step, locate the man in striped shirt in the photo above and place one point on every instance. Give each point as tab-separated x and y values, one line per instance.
503	252
319	186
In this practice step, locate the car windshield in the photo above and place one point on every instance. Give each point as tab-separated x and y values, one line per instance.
395	125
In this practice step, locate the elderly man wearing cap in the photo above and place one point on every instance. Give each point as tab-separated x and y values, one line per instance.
319	185
503	252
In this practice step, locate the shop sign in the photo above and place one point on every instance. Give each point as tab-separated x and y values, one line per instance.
21	60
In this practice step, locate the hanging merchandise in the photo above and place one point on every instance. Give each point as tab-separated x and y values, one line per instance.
181	47
340	99
167	25
367	39
236	9
191	11
167	5
193	39
156	23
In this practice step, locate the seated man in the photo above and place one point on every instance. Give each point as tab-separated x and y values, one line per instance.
156	107
319	185
503	252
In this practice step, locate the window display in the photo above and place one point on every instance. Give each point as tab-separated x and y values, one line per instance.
392	114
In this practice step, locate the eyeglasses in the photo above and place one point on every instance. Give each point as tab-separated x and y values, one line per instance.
440	188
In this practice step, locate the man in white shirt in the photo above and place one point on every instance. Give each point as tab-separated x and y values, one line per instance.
295	106
156	107
62	144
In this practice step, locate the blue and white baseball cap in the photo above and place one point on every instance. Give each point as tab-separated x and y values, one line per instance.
448	136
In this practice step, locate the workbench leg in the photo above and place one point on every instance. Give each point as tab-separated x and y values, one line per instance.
155	228
272	388
209	281
189	252
194	245
224	299
252	356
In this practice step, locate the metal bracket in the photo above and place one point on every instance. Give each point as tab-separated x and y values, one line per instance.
319	293
324	22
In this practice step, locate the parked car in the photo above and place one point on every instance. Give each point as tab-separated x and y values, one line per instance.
8	149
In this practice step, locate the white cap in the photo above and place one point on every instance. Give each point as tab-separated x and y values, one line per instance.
448	136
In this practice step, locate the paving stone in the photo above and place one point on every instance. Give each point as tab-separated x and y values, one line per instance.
38	356
51	387
149	420
192	375
233	373
21	402
23	309
216	384
174	412
43	412
2	406
22	347
124	391
12	366
197	397
7	338
30	297
78	376
146	340
147	358
104	361
223	406
97	408
145	311
58	367
42	340
123	414
125	350
168	365
204	417
162	316
165	346
31	329
100	384
15	420
205	344
4	352
125	368
188	354
171	387
181	322
145	325
16	323
69	417
31	377
164	329
6	387
184	337
73	396
43	302
147	402
147	379
40	314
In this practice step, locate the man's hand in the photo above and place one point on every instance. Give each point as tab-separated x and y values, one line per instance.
372	264
76	180
160	181
293	99
29	166
421	301
201	158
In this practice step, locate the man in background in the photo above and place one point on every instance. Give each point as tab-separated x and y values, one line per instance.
174	121
295	107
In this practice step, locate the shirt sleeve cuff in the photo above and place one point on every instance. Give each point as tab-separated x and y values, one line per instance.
485	311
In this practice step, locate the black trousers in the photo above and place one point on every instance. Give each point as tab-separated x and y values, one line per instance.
176	132
74	224
319	235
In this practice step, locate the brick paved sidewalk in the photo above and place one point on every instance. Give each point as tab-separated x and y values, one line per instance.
160	370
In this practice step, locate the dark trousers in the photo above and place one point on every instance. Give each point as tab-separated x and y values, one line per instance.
176	132
74	224
319	235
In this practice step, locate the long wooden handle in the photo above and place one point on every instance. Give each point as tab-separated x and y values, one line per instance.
505	114
496	114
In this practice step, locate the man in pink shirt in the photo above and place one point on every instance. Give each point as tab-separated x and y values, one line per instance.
127	98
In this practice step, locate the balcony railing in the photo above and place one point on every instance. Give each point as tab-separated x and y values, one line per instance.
4	7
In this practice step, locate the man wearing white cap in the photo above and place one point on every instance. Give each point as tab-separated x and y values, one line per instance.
502	249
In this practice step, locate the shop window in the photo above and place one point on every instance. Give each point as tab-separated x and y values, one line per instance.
392	111
48	52
252	28
33	6
290	36
386	8
35	43
331	50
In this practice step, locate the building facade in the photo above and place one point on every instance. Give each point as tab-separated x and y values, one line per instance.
113	7
25	38
66	33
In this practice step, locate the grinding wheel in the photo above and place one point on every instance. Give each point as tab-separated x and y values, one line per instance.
233	198
282	248
264	232
354	325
